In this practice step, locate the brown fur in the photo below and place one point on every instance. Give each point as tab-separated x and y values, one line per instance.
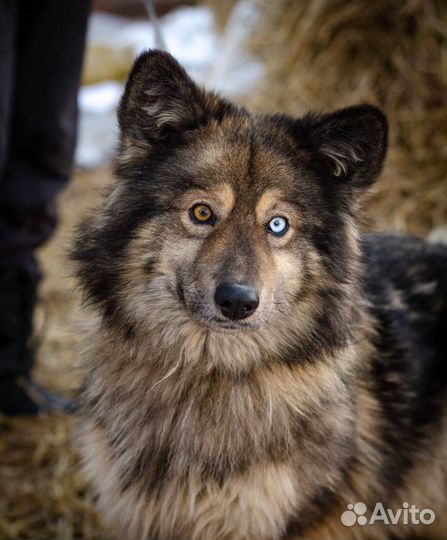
199	427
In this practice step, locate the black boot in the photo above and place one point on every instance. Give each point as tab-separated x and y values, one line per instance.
19	395
14	398
17	301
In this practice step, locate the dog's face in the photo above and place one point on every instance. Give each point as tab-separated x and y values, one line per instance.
227	219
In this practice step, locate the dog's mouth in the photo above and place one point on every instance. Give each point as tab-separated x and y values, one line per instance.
228	326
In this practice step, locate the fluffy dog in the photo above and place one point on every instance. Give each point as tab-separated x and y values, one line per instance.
256	364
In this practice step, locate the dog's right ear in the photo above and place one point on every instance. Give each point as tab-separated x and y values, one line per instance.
160	104
350	144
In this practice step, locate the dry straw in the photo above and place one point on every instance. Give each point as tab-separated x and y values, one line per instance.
323	54
43	494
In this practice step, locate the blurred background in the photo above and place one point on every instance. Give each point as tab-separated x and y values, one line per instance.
282	55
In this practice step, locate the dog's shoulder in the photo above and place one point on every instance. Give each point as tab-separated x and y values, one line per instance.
406	284
405	279
412	265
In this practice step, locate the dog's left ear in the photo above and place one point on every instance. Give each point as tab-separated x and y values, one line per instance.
350	144
161	103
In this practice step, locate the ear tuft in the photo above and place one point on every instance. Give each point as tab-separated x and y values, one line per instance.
350	143
342	157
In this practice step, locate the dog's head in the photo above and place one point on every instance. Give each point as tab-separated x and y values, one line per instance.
226	222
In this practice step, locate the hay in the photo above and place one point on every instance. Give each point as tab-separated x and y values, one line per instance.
42	491
324	54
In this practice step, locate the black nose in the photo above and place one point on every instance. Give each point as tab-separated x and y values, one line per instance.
236	300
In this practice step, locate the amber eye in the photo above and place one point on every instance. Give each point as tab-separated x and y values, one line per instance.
202	213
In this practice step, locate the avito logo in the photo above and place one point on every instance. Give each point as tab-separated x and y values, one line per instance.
356	514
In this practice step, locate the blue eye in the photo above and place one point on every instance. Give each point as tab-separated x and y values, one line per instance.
278	226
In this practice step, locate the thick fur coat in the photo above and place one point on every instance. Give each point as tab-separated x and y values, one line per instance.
199	425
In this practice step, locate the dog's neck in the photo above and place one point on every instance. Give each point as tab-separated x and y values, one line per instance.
214	416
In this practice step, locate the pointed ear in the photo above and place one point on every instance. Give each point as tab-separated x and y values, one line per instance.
161	103
351	143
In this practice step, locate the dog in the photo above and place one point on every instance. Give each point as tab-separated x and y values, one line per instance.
256	366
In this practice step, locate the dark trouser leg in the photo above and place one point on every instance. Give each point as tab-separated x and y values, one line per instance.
42	136
8	36
41	50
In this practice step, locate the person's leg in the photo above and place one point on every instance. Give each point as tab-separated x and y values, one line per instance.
13	358
48	50
8	36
